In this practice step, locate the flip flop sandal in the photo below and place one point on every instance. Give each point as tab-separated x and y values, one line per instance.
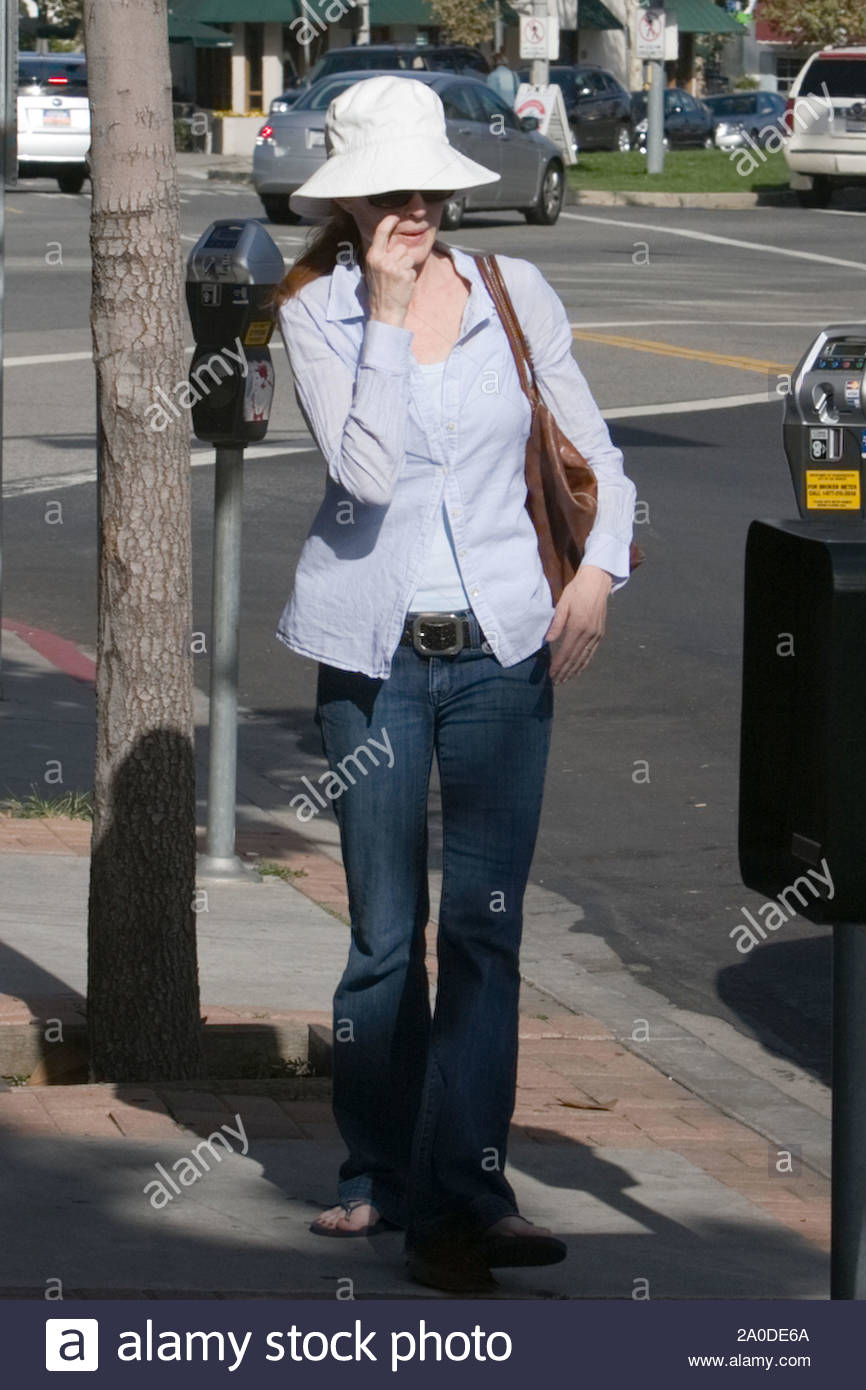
375	1229
521	1251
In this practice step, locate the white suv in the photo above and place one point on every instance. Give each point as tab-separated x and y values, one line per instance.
826	115
53	118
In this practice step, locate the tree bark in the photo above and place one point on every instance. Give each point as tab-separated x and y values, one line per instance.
143	1001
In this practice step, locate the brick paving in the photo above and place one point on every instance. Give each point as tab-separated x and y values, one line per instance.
576	1081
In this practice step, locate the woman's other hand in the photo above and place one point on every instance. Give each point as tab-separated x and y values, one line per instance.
390	275
579	620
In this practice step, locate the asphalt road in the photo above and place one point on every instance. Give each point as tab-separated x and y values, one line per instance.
683	321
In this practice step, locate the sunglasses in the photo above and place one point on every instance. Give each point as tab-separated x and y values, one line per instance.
402	196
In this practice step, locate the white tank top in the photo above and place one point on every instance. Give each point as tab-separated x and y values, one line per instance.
440	589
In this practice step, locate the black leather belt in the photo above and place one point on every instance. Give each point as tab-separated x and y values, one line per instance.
441	634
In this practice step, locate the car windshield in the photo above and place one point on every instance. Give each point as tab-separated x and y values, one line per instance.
843	77
52	72
322	93
732	106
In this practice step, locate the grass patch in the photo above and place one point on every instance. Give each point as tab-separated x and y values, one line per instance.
685	171
279	870
75	805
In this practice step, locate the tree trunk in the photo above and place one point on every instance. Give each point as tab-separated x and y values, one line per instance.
143	1003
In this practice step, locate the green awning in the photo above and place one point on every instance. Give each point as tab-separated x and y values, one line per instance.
403	12
592	14
702	17
181	29
239	11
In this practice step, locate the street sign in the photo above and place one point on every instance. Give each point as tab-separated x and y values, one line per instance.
535	36
548	104
650	35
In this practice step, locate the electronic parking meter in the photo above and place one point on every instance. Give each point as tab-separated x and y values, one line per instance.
824	427
232	273
802	824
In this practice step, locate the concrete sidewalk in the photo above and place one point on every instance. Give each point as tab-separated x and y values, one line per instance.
659	1163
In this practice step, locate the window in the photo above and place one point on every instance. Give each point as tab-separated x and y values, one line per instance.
66	75
844	77
492	107
459	105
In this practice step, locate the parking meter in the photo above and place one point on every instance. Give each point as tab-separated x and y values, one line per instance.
803	736
232	273
824	427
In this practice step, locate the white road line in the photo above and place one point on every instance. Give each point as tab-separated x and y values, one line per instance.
47	357
632	412
200	458
717	240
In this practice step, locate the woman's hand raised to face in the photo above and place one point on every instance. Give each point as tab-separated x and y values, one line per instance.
390	274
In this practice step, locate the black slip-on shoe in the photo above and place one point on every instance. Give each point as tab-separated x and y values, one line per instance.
455	1266
521	1251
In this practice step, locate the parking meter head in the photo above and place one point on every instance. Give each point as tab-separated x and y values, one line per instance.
232	273
824	426
803	735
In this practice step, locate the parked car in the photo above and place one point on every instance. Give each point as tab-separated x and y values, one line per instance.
826	115
687	121
597	105
291	145
738	115
404	57
53	118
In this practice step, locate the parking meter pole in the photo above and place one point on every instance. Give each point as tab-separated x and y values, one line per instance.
655	131
232	274
848	1243
221	860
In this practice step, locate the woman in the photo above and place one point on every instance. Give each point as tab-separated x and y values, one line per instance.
421	594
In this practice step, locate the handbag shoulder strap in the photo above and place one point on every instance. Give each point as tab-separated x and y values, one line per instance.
493	279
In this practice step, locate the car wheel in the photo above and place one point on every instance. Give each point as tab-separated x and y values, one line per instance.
277	209
545	211
819	195
71	182
452	213
624	138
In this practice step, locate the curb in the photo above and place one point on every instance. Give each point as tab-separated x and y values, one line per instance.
602	197
237	1041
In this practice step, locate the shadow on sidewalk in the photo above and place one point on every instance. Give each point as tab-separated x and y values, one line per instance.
796	976
81	1215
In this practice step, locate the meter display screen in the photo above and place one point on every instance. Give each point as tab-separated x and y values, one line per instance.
224	237
843	355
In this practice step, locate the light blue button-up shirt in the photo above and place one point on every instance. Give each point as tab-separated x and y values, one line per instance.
392	463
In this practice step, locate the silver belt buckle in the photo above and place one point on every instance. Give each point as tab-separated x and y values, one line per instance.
435	642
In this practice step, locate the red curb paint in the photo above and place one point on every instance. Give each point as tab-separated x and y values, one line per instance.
58	650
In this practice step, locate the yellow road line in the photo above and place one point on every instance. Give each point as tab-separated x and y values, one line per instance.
719	359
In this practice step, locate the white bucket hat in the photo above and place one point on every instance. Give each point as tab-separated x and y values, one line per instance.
383	134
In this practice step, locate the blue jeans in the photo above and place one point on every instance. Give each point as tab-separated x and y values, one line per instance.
423	1104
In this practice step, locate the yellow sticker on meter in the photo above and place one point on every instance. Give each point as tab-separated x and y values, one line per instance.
832	490
259	333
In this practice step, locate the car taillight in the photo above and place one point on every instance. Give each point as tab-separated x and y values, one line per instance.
57	81
788	116
266	132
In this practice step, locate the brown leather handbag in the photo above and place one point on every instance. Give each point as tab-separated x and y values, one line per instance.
562	490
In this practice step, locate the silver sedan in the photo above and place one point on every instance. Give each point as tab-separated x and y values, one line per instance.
291	146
